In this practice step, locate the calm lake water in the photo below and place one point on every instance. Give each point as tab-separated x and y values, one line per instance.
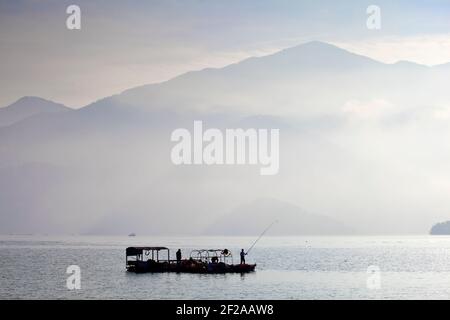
411	267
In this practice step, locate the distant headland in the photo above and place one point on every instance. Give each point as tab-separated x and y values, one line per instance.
442	228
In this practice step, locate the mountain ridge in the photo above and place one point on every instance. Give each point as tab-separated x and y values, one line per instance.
251	218
312	46
28	106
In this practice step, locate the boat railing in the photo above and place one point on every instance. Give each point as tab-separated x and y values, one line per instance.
212	255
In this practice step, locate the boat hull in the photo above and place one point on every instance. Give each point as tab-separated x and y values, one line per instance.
190	267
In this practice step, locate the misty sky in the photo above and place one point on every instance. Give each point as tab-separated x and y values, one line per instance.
126	44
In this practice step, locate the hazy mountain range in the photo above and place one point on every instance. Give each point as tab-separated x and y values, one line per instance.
362	142
27	107
254	217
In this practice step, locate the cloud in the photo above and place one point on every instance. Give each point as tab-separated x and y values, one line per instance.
367	109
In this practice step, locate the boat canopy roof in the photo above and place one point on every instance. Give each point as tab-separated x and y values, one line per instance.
131	251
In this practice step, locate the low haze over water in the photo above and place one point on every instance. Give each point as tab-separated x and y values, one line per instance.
412	267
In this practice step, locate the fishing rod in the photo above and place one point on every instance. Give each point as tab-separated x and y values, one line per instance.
260	236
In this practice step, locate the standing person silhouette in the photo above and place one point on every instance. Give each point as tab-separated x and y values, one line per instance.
243	254
178	256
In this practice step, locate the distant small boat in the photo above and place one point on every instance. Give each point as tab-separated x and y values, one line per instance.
157	259
132	235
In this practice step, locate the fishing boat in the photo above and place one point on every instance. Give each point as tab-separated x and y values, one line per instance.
157	259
